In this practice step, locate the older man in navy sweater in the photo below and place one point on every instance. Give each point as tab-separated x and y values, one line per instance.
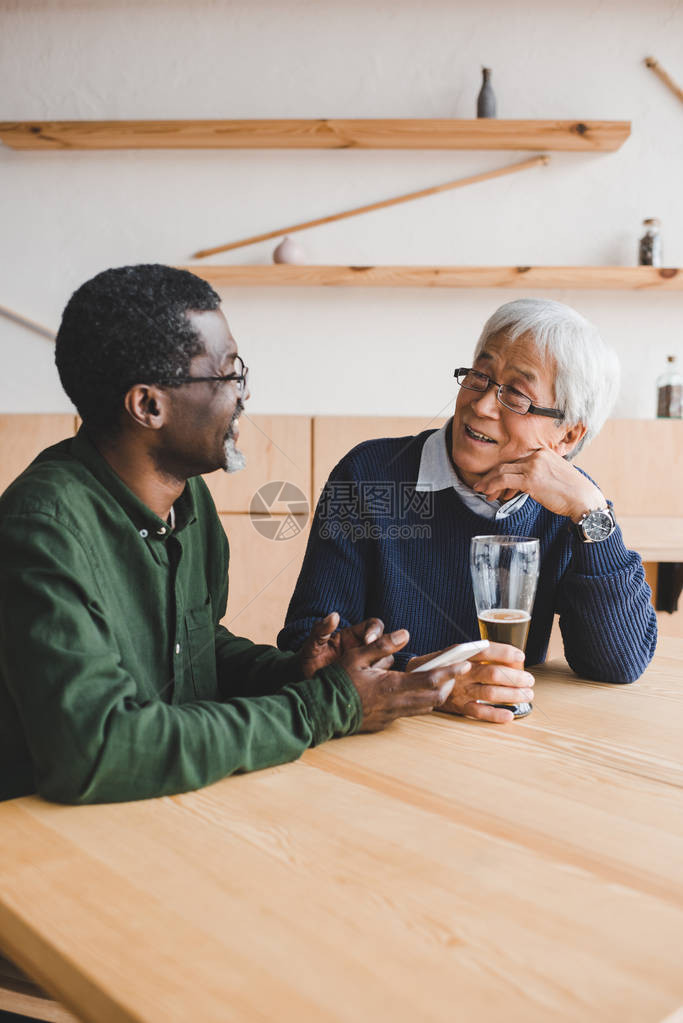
393	527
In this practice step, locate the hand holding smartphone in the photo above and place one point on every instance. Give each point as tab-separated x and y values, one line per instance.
454	655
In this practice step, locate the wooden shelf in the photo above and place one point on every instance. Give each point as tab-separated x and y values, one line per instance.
421	133
606	278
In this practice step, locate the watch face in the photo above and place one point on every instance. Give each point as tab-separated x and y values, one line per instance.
598	525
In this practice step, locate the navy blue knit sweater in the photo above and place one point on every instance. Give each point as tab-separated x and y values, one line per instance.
380	548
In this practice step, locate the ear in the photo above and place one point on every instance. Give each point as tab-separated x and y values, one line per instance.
569	438
147	406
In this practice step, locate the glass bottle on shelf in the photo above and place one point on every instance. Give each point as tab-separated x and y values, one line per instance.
650	245
486	100
670	392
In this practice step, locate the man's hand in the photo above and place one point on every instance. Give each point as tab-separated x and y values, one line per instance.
324	645
497	675
386	695
549	479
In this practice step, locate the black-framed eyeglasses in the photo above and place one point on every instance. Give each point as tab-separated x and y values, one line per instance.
510	397
240	377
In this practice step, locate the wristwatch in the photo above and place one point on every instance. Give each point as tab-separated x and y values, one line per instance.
595	525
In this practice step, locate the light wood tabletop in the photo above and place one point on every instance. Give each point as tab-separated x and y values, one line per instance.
442	870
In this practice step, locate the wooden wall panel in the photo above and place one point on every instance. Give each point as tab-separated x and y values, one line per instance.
638	463
263	574
277	448
670	625
333	436
656	538
24	435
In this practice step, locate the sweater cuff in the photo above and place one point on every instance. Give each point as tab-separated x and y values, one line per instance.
401	659
333	704
605	557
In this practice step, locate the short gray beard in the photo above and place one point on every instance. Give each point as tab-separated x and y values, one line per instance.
234	459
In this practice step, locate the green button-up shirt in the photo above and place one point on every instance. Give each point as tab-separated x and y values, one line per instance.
117	681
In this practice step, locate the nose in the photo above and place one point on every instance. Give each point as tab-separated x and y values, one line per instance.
246	392
486	402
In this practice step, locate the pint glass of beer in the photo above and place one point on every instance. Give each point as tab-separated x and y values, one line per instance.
504	577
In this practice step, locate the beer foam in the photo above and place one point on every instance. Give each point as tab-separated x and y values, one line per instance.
504	614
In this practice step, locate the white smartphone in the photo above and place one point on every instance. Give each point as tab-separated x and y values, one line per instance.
454	654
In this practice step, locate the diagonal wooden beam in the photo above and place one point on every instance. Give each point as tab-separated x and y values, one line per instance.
24	321
473	179
655	66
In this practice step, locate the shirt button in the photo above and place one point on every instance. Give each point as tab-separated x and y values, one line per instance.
177	648
144	534
161	530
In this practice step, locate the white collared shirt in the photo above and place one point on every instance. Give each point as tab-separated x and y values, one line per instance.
437	473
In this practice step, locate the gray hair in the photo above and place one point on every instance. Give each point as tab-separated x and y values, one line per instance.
587	371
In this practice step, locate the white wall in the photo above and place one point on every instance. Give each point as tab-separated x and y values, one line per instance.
65	216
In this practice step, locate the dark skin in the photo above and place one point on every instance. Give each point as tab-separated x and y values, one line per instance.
167	435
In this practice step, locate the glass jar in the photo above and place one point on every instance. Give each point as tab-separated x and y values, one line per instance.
670	392
650	245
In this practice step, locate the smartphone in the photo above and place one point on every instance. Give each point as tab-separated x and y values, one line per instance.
454	654
520	710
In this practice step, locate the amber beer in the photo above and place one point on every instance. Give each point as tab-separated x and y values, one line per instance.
505	625
504	573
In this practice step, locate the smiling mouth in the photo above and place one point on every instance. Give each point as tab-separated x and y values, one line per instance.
481	437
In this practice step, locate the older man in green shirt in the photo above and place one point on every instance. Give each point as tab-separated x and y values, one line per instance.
117	681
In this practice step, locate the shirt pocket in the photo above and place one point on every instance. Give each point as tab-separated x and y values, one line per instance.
201	646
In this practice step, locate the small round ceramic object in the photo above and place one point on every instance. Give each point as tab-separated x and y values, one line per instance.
289	251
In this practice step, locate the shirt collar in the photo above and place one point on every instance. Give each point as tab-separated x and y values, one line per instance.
148	524
437	472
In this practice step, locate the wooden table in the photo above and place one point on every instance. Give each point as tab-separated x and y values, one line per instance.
442	870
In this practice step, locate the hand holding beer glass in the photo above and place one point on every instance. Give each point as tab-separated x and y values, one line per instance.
504	577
